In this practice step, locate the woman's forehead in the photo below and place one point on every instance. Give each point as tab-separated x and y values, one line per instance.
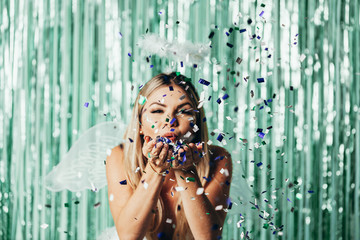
172	94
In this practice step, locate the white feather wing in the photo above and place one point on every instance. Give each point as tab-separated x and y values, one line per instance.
83	166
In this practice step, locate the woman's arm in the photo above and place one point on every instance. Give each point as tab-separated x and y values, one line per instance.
132	211
204	221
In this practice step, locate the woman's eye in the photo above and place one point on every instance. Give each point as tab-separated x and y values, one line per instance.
186	112
156	111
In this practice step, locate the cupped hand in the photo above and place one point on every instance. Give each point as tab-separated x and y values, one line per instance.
157	153
187	157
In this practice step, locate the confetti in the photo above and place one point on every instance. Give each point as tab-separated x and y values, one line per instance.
218	207
120	35
226	96
302	57
142	100
260	80
129	54
261	134
229	45
261	14
242	30
171	88
44	225
204	82
199	191
239	60
96	205
86	104
123	182
211	35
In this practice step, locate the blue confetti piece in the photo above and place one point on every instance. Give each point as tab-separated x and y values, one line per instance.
129	54
120	34
258	37
131	140
261	107
261	14
209	98
172	130
86	104
261	134
220	137
172	121
124	182
310	191
242	30
218	100
204	82
289	200
181	64
265	102
161	235
266	49
227	34
195	65
259	164
226	96
260	80
229	45
269	100
204	119
171	88
151	66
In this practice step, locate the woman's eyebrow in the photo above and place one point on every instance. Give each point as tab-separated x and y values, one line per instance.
181	105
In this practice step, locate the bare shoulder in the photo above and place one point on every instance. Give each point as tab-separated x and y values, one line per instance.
221	158
116	179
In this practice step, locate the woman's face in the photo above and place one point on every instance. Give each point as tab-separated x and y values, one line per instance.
166	108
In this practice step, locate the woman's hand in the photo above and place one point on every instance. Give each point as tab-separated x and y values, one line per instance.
187	157
157	154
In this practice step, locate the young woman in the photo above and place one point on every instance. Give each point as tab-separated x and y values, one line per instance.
168	189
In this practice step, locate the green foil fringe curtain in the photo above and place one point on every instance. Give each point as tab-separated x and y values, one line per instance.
57	55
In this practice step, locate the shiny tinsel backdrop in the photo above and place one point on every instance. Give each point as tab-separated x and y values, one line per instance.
291	118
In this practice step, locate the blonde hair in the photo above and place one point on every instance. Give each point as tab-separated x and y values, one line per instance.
133	158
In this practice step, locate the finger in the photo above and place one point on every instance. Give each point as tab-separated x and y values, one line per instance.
163	153
150	145
157	148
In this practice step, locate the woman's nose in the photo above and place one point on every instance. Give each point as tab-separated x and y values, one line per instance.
172	121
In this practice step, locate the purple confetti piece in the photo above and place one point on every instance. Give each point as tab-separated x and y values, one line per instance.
289	200
120	34
261	14
86	104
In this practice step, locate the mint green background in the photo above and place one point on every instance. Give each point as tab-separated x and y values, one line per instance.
57	55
